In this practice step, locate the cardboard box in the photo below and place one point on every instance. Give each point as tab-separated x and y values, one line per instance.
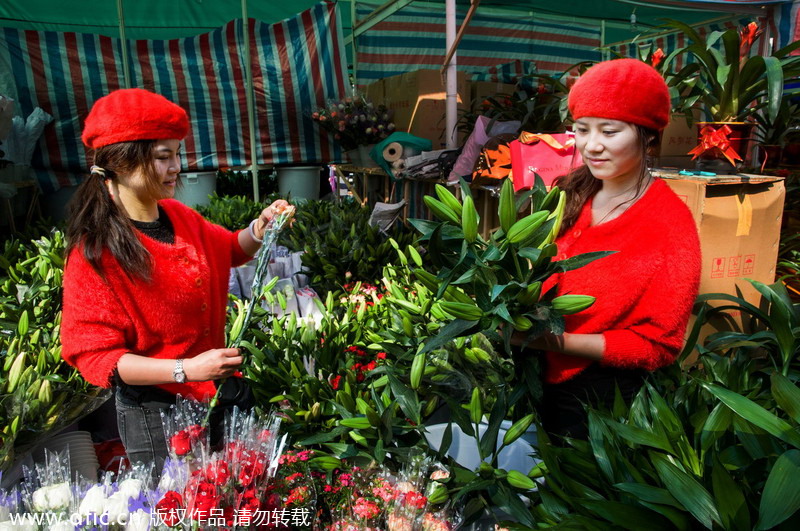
375	92
480	90
739	221
418	101
678	138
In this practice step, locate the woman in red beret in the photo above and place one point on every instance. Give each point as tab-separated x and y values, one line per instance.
146	278
646	289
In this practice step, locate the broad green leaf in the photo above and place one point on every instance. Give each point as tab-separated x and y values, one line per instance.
639	436
450	331
627	516
786	394
781	496
716	425
507	500
730	498
649	493
580	260
406	398
324	437
598	435
752	412
686	489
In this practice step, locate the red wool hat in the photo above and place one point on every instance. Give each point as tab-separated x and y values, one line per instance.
622	89
133	114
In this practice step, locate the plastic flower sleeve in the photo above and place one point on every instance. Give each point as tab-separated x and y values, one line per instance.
183	427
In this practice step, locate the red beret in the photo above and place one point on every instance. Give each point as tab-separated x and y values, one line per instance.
133	114
622	89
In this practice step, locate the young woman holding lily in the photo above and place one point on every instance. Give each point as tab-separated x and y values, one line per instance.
146	278
646	289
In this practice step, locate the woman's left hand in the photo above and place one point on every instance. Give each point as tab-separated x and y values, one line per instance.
277	207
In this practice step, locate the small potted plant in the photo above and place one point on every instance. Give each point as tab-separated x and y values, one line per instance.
771	134
729	86
357	125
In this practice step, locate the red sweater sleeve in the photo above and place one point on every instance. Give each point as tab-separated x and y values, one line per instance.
93	323
656	336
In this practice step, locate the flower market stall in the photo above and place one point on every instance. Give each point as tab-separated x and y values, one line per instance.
386	359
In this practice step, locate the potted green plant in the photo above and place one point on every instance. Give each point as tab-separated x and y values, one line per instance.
771	134
729	86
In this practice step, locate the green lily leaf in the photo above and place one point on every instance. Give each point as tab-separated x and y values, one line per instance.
730	499
752	412
406	398
781	496
649	493
786	394
686	489
627	516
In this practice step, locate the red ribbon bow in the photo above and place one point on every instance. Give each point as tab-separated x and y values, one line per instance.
711	138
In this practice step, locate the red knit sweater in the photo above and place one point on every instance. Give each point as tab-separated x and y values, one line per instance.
645	291
180	313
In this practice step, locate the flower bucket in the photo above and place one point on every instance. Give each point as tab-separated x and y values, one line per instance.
464	450
196	188
299	181
360	156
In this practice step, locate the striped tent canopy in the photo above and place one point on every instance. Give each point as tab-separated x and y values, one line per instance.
414	38
297	65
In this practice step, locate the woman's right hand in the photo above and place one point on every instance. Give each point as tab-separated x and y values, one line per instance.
212	364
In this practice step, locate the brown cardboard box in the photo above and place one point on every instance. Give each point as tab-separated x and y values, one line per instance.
739	221
418	101
480	90
678	138
375	92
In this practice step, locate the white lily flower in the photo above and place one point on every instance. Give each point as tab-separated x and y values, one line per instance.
94	501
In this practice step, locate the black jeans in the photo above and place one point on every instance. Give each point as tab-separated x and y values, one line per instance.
139	411
563	412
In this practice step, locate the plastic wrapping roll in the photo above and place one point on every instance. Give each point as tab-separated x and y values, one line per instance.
393	152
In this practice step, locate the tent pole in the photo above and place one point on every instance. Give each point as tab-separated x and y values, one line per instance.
126	68
251	115
451	108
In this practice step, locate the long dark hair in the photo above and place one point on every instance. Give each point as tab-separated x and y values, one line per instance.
97	223
580	185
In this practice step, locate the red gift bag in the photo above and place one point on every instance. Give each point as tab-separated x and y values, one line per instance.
550	156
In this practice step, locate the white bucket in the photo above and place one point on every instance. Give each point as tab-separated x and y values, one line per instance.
196	188
299	181
464	449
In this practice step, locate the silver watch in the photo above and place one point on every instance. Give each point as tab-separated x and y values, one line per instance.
178	373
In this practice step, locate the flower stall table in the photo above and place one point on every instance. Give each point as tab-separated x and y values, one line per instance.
373	183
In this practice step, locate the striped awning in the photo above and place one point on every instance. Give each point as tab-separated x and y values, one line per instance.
298	64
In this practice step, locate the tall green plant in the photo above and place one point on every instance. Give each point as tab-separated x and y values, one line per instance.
724	80
715	445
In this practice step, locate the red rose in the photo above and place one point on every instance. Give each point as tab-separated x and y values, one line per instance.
196	432
335	382
181	443
205	500
167	508
218	472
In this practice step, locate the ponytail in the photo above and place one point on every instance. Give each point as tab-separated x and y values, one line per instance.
96	223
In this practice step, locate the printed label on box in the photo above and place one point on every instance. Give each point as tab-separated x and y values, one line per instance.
718	267
734	266
749	264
